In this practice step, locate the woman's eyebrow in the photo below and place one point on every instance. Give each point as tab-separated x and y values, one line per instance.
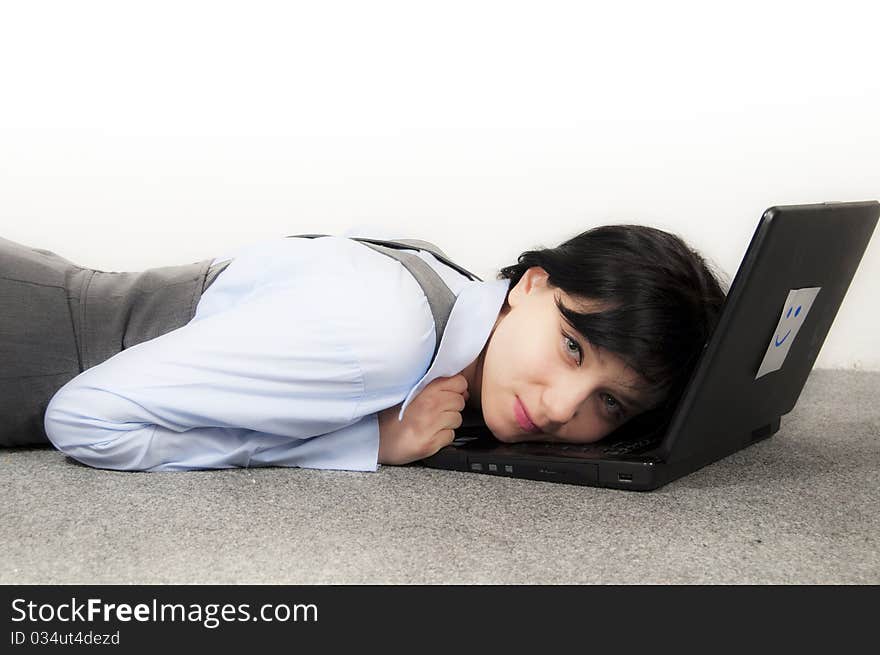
646	400
630	402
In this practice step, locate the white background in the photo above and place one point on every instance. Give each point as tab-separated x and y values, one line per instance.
139	134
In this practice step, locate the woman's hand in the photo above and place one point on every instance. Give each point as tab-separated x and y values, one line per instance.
428	424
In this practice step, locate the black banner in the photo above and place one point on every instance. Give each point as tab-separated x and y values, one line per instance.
128	618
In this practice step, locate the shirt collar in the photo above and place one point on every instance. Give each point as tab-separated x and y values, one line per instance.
471	321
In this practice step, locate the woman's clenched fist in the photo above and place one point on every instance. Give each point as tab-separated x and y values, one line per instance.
429	423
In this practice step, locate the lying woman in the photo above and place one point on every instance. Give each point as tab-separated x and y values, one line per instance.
345	353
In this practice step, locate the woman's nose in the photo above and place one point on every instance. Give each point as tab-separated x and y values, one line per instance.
562	403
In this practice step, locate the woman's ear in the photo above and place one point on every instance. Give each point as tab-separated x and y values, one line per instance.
535	277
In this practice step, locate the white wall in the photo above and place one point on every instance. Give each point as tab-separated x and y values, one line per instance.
158	133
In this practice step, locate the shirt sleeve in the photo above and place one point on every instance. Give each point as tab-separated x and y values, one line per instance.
265	383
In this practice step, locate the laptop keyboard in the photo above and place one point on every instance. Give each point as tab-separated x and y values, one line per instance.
585	451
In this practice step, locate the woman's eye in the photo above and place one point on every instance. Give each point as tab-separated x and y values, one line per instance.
615	407
572	347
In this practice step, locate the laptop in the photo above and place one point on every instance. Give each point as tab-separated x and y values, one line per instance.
777	313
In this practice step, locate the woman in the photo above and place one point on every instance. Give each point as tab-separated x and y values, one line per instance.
324	353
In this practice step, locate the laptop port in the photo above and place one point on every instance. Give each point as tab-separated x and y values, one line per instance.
625	477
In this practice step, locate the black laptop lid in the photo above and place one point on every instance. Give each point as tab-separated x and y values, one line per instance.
791	281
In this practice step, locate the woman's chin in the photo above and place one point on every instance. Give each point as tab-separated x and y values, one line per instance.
505	437
503	432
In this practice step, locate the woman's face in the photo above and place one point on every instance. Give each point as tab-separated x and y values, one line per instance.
571	391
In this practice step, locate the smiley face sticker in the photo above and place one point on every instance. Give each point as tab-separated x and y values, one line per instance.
794	312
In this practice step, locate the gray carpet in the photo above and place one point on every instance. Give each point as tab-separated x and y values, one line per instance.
801	507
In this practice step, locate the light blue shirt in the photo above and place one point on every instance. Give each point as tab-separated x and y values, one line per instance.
291	353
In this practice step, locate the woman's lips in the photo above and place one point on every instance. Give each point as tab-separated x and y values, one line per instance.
522	417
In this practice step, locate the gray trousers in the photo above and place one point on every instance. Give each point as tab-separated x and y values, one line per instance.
58	319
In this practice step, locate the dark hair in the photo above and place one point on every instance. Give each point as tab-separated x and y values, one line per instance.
657	304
